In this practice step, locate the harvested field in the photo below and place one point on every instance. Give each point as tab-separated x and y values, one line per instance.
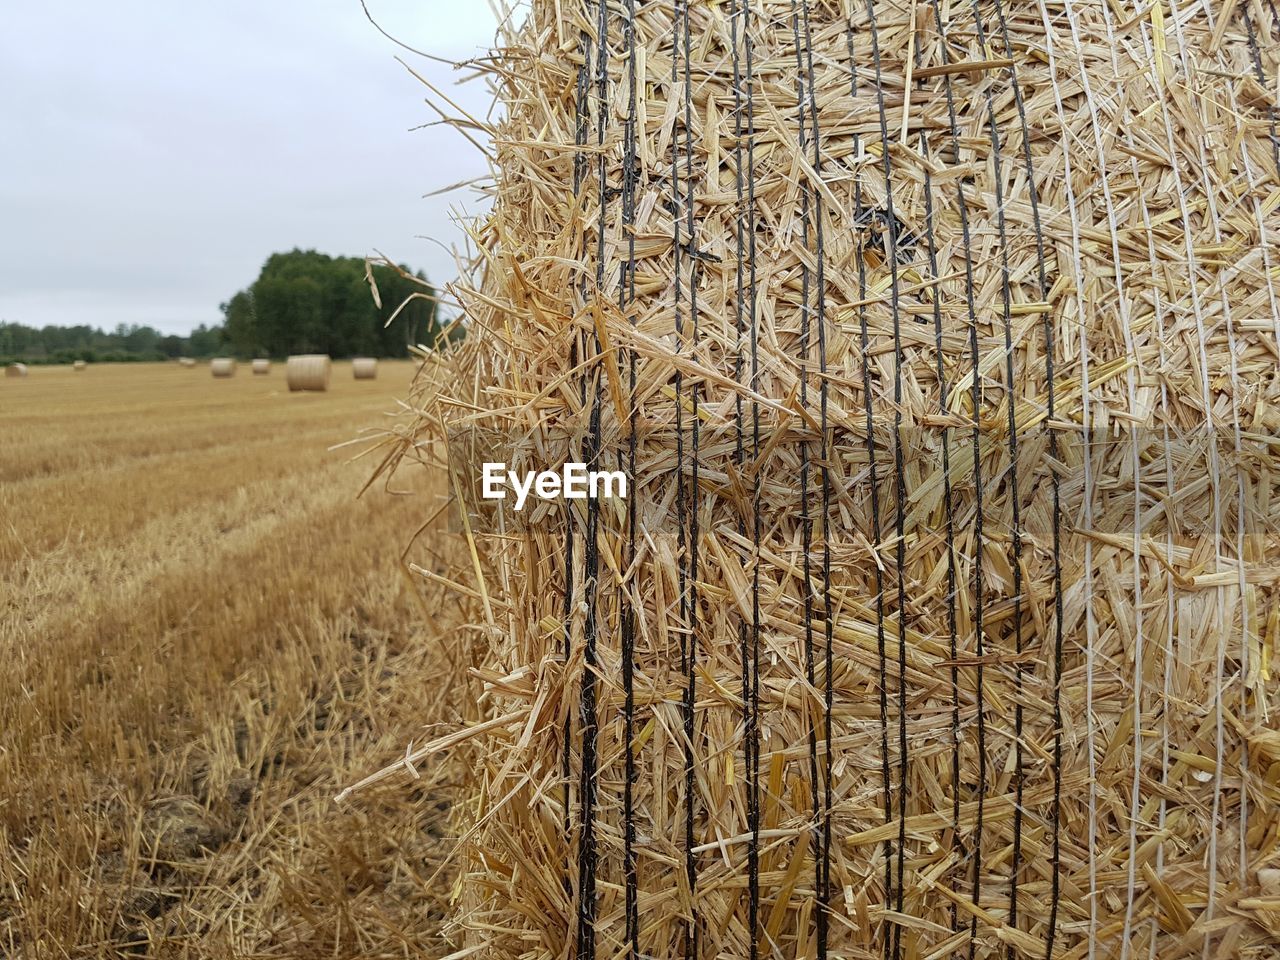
205	638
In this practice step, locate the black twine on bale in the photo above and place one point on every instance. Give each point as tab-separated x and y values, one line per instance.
948	502
977	483
804	80
588	855
1255	56
580	141
874	489
626	299
748	638
688	514
691	692
900	483
753	728
828	615
1034	197
682	575
1010	398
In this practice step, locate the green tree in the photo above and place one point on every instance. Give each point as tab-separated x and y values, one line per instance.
304	301
205	341
127	342
239	326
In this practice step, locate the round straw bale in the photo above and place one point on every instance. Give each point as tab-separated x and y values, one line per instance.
79	365
186	362
364	368
223	367
308	371
261	367
942	618
16	370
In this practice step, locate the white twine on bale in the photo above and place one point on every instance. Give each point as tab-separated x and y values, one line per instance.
1263	246
1127	328
1169	601
1214	481
1078	261
1135	794
1234	397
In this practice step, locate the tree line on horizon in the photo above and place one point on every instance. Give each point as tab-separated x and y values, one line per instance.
301	302
127	343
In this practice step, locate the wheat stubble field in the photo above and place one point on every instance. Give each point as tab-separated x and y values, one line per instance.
204	636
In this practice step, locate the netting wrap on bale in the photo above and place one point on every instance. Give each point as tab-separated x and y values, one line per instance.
308	372
939	344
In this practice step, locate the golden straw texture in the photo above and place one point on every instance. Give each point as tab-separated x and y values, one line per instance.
827	683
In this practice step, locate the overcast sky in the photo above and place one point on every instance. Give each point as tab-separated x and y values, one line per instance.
152	155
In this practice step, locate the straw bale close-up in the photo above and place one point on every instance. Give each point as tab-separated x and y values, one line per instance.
939	343
308	372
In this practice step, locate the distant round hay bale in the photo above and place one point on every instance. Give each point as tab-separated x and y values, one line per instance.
223	367
308	371
16	370
364	368
186	361
261	367
79	365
